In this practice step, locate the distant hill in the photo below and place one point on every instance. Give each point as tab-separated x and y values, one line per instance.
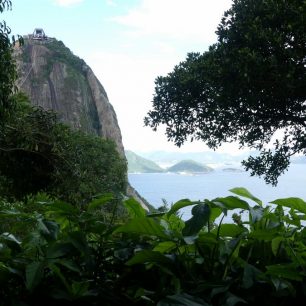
235	170
189	166
138	164
204	157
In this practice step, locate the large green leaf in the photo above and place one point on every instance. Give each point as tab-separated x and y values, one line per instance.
78	240
57	250
294	203
250	274
182	299
63	208
200	218
70	264
34	274
165	246
100	201
48	229
134	208
282	285
57	271
215	212
256	213
142	226
264	234
230	203
288	271
81	289
207	240
232	300
180	204
275	244
148	256
13	213
229	230
246	194
10	237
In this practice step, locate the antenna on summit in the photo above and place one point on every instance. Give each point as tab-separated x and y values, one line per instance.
39	34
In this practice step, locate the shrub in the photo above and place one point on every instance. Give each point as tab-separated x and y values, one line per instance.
74	254
37	153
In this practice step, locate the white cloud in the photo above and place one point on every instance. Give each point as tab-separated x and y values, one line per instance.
191	20
111	3
161	32
129	83
67	2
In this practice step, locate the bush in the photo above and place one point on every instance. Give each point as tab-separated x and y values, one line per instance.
39	154
67	254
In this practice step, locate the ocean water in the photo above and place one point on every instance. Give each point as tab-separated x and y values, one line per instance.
172	187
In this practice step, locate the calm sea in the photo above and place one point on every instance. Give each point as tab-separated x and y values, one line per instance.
172	187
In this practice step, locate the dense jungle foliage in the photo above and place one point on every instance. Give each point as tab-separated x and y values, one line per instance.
37	153
52	252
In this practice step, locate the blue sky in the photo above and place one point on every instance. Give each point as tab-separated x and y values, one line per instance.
127	43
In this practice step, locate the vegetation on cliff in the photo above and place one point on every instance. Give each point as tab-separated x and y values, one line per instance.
61	53
54	78
7	66
37	153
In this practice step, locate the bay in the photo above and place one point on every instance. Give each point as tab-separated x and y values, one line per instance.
155	187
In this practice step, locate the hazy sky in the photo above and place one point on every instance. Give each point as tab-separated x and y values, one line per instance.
127	43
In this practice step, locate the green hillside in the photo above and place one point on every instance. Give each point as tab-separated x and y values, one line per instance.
139	164
190	166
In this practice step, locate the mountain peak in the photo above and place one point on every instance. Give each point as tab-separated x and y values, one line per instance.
56	79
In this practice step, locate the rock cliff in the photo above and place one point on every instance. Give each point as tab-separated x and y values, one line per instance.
54	78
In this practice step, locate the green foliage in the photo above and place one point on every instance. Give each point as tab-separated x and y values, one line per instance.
64	54
88	165
249	84
26	144
64	254
60	253
221	264
5	4
39	154
7	66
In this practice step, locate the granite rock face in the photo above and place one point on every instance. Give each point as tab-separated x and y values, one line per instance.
54	78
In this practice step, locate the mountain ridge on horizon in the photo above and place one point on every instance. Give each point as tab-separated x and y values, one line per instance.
138	164
167	158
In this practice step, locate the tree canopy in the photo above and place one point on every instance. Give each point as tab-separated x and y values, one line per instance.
248	85
37	153
7	66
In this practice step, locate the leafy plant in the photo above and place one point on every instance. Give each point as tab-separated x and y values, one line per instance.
63	253
58	252
7	66
203	261
37	153
247	86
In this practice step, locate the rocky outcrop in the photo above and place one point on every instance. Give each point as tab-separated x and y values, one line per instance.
54	78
